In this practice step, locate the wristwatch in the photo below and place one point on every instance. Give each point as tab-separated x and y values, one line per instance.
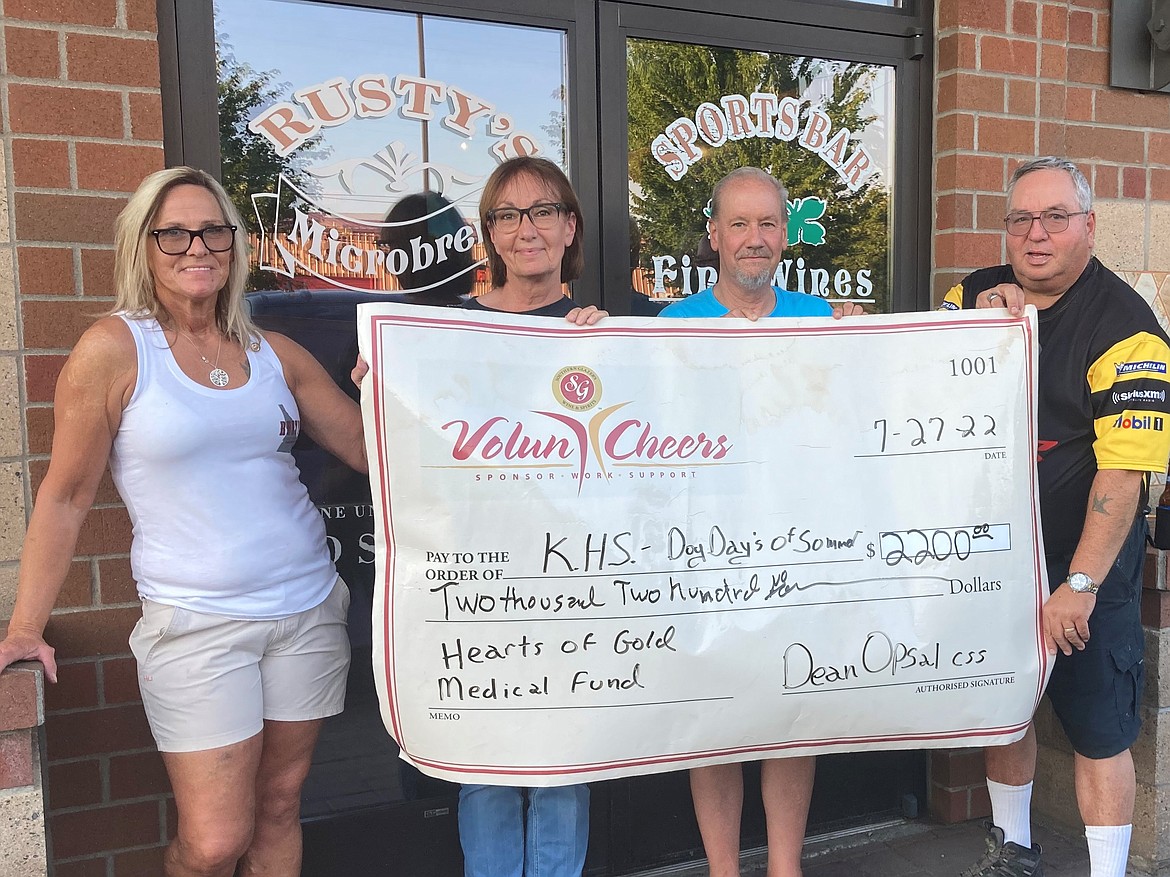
1081	583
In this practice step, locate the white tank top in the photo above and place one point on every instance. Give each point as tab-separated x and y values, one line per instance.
222	522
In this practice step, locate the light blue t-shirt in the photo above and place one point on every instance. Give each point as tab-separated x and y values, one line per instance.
788	304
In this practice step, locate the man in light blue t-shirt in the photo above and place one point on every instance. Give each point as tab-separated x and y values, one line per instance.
749	230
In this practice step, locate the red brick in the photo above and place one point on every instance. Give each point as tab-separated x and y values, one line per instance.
98	12
66	218
953	211
955	131
979	804
1052	138
1159	148
16	760
95	867
1022	97
966	91
1090	66
45	270
139	863
76	687
32	52
51	109
41	163
1159	184
116	582
98	829
19	696
1054	22
75	784
57	323
112	167
1000	55
106	494
1155	608
957	768
40	376
948	807
1115	107
92	633
1080	28
990	211
120	681
1012	136
105	531
979	172
1111	144
1079	103
957	249
39	421
96	732
1053	61
977	16
1101	5
1106	181
1133	182
138	775
97	272
146	117
112	60
956	51
141	15
77	590
1024	18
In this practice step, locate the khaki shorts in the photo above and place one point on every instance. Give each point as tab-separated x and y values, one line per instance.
209	681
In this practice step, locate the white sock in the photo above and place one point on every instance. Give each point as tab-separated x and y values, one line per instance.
1108	849
1011	811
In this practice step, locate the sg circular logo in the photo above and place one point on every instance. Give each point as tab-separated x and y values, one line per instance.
577	387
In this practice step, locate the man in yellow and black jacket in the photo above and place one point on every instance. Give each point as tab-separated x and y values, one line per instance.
1103	423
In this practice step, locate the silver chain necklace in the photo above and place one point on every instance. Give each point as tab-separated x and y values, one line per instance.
217	375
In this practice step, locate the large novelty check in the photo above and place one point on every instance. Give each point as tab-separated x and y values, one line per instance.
656	544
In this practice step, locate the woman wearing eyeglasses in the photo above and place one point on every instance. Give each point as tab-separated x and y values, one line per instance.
242	647
532	221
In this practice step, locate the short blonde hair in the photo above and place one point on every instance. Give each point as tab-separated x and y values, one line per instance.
135	293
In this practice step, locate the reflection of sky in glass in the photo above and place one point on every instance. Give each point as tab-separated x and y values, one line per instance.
519	71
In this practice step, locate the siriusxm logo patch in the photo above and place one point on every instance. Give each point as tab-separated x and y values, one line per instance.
1128	368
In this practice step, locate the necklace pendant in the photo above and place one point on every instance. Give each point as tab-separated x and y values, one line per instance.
219	377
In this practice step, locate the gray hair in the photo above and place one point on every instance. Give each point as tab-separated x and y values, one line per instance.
1055	163
753	173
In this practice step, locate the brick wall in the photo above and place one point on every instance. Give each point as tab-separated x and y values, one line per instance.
22	809
82	114
1016	79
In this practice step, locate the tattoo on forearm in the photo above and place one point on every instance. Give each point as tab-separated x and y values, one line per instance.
1099	503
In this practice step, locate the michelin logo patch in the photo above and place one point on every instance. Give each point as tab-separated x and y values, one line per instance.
1128	368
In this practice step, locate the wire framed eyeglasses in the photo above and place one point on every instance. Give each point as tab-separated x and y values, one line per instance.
1052	221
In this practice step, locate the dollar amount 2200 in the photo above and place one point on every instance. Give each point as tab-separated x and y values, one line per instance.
943	543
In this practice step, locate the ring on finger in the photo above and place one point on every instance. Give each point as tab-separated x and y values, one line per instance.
1070	630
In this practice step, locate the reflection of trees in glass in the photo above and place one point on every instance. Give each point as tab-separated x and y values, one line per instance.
249	163
554	130
669	80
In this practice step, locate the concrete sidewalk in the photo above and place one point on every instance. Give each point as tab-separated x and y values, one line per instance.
903	848
921	849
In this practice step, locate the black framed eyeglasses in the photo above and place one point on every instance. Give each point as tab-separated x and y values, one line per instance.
177	241
1052	221
543	215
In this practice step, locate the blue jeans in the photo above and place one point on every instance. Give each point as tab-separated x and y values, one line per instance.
495	844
